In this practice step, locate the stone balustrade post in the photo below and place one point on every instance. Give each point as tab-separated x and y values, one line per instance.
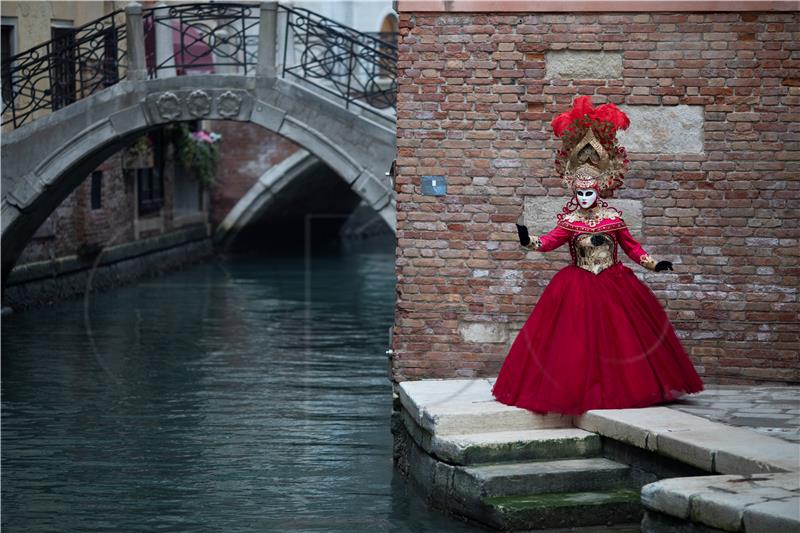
137	69
165	46
267	40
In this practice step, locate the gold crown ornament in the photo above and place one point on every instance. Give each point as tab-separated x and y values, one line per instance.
590	157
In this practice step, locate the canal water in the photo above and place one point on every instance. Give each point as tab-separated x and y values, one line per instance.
236	395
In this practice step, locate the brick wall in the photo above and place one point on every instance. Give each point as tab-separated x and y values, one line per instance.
476	93
74	223
247	151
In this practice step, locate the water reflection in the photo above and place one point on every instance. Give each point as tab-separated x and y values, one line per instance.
218	398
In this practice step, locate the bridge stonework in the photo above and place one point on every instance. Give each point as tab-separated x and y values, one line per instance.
336	109
717	91
45	160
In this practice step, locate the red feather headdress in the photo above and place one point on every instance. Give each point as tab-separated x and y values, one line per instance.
582	108
590	156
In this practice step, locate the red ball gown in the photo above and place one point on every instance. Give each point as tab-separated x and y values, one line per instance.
597	338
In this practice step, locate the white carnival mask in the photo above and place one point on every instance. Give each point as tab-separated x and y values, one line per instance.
586	197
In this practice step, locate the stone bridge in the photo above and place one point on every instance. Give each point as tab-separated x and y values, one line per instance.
46	158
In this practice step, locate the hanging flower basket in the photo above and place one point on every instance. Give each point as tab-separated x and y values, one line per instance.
139	155
199	152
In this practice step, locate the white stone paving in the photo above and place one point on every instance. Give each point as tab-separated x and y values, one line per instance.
463	406
757	486
458	406
770	410
751	503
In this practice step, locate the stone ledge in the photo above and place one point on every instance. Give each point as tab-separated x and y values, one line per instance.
60	266
760	491
712	446
458	406
749	503
74	284
498	446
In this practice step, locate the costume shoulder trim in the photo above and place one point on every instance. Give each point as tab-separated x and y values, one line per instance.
597	228
604	218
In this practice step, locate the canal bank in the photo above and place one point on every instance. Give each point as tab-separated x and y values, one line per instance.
658	467
41	283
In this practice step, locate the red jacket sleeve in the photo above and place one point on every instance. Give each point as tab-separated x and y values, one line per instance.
550	240
634	250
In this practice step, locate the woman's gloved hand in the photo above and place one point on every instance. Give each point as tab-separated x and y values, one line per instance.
524	238
663	265
598	240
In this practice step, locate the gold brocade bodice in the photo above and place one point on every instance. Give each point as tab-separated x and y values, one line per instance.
591	257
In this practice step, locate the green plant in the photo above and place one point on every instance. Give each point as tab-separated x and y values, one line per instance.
199	152
141	147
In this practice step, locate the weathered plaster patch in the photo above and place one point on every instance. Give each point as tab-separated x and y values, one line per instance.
583	65
481	332
663	129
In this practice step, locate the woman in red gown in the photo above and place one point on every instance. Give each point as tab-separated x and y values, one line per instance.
597	338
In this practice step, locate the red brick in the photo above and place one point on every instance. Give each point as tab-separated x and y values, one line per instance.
729	214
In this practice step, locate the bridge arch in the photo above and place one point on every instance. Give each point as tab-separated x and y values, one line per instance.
45	160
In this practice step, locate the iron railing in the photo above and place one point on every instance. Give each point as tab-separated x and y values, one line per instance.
388	45
202	38
359	67
205	38
65	69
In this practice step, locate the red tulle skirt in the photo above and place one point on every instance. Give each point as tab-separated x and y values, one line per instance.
595	342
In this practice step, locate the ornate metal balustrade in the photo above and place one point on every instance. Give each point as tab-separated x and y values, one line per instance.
204	38
359	67
63	70
199	38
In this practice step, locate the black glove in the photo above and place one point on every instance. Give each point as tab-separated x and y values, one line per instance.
524	238
663	265
598	240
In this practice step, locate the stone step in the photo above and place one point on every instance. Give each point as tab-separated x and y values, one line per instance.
537	477
503	446
563	509
461	406
514	446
